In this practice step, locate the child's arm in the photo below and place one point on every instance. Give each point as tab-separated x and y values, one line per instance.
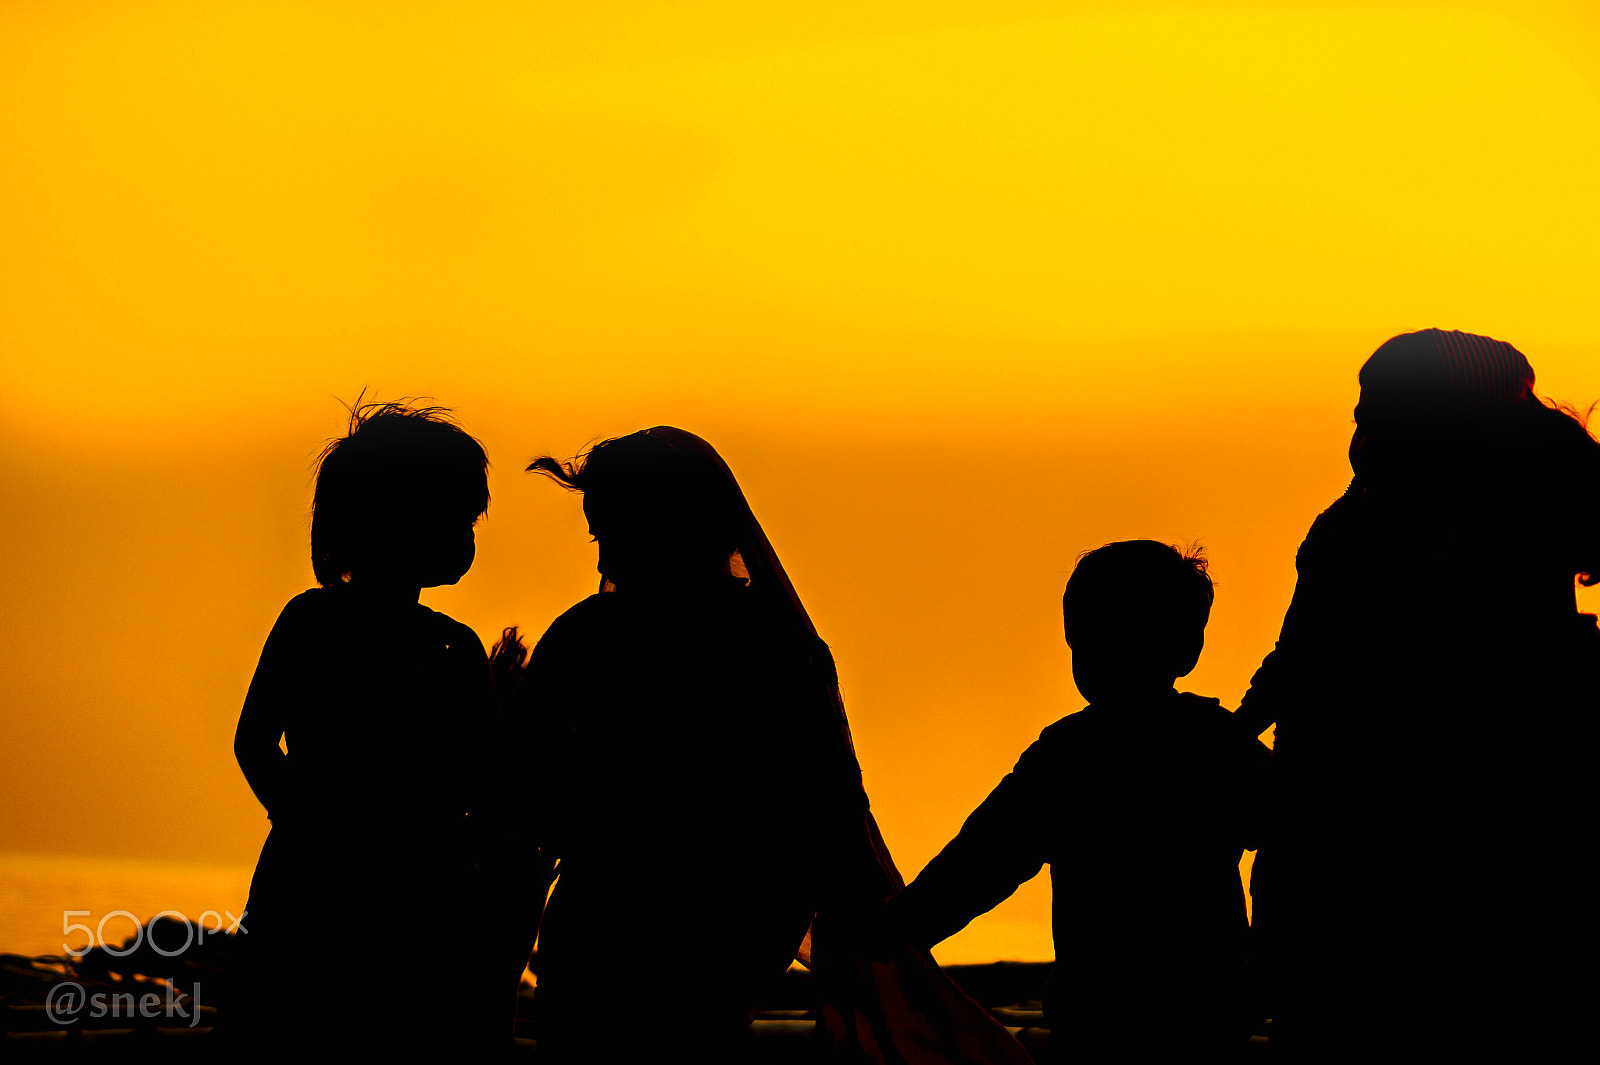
999	848
265	713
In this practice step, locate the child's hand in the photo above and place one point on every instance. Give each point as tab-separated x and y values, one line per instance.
508	661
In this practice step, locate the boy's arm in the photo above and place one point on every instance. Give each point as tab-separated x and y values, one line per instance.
265	712
998	849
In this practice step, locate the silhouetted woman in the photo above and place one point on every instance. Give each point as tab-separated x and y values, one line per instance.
1434	694
691	769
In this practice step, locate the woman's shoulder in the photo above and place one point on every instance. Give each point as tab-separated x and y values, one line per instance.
577	622
597	609
1334	532
774	634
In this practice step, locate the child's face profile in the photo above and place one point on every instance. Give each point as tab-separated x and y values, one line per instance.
423	549
446	553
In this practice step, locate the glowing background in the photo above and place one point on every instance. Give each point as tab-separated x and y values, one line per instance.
960	290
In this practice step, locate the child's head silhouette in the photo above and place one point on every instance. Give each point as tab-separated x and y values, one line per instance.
397	498
1135	615
659	516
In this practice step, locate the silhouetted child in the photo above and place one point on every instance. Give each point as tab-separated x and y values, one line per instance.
383	707
1141	804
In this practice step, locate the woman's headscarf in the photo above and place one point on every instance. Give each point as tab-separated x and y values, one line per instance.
885	1003
1447	368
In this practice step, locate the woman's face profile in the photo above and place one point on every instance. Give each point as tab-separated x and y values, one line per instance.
646	537
630	535
603	528
1410	458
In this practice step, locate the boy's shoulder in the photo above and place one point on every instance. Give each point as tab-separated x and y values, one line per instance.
324	607
1093	724
312	606
1076	724
1097	740
453	632
1068	738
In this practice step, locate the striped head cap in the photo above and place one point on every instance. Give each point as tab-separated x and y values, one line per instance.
1444	373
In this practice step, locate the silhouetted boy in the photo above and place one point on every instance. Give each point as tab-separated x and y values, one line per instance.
1141	804
365	734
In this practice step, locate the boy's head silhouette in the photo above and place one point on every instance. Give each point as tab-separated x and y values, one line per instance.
397	498
658	517
1135	616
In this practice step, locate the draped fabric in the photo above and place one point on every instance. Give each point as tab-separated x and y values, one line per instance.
880	1003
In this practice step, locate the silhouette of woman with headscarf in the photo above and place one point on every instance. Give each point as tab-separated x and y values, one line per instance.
1433	690
692	771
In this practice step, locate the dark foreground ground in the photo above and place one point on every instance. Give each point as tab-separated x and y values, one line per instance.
158	1002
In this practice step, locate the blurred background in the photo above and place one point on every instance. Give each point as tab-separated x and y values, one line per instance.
959	290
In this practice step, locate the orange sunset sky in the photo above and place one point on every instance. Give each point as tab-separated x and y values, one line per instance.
960	290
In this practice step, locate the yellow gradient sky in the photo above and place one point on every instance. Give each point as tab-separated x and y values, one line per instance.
960	290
